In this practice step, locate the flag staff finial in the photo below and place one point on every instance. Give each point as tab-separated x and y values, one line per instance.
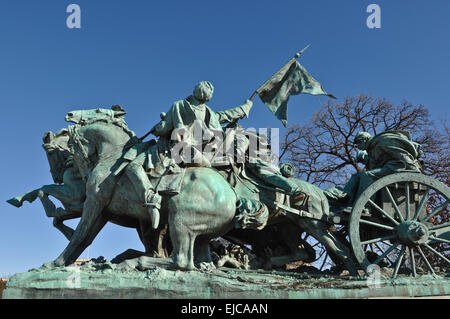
297	55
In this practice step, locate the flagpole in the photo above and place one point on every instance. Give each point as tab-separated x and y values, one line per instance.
296	56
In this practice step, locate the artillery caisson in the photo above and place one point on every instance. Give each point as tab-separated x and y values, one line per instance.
402	220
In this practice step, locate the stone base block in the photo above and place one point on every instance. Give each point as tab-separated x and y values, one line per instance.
155	278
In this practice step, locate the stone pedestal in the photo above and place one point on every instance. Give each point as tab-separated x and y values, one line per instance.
147	277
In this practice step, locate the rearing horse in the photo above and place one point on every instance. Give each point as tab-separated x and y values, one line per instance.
70	190
204	208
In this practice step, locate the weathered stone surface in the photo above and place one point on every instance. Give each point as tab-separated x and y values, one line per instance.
154	278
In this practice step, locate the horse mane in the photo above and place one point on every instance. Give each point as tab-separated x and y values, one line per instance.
116	121
85	161
113	116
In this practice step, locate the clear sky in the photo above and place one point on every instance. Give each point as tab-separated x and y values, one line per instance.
144	55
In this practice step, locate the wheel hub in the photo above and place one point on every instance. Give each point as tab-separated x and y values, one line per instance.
412	233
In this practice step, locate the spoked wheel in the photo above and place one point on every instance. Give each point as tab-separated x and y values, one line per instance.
402	219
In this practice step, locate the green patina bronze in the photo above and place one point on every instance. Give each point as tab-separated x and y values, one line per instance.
103	172
151	278
384	154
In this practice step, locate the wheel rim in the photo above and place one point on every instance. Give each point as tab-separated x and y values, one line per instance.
416	236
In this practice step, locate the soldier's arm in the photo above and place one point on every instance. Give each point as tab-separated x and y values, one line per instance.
162	128
234	114
362	157
169	121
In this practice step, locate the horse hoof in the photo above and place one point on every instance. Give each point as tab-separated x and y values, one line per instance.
190	268
49	265
182	264
14	202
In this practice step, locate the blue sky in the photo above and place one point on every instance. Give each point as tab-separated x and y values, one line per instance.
144	55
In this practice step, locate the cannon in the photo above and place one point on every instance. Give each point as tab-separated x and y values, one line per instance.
400	219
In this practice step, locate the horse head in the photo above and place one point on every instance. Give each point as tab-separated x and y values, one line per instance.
83	117
58	153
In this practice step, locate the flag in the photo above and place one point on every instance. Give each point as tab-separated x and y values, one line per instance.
291	79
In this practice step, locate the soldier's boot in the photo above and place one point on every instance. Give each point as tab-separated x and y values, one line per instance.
153	203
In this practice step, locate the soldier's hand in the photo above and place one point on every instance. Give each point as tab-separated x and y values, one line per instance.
247	107
362	157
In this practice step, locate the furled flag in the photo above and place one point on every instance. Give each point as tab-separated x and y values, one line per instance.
291	79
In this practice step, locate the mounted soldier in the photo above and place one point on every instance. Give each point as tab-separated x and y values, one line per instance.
181	121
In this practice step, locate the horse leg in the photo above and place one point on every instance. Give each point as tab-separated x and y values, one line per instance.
59	215
64	193
64	229
155	241
30	197
62	215
99	188
183	243
164	243
202	252
49	207
150	239
91	222
299	250
146	237
319	230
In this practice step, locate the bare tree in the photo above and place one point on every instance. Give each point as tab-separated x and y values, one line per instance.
323	151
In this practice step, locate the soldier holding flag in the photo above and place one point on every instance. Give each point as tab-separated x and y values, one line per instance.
291	79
